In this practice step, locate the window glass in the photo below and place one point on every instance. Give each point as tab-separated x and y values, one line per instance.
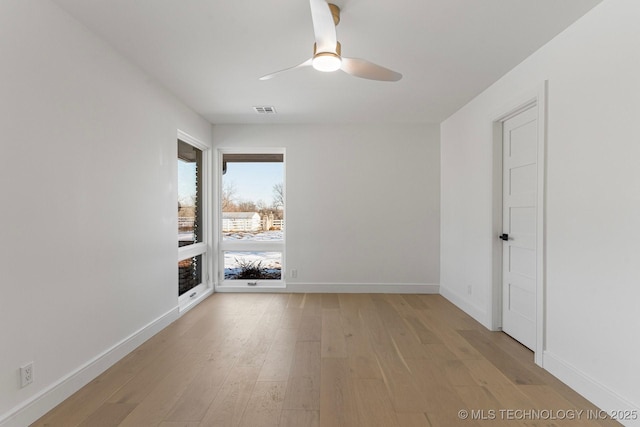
252	197
189	194
252	265
189	274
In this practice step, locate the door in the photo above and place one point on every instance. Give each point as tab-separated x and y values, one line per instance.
520	153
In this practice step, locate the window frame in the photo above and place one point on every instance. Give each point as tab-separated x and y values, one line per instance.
192	297
222	284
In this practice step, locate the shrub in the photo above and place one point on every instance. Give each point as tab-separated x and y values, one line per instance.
250	269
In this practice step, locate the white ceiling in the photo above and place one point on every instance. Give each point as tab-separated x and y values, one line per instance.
210	53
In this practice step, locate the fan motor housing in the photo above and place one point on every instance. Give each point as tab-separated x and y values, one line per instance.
338	51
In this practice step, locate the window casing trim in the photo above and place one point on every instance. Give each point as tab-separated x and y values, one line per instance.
188	299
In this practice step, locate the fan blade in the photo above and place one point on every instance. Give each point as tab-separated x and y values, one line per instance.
272	75
323	26
368	70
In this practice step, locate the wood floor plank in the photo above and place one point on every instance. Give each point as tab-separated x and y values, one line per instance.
89	399
400	305
513	368
265	405
362	360
303	388
387	313
338	404
399	380
546	398
201	391
407	344
291	317
305	360
415	302
459	346
108	415
229	405
352	303
143	382
333	342
410	419
377	334
296	300
479	400
438	395
310	327
424	334
179	424
439	352
449	336
313	304
330	301
374	404
279	359
92	396
299	418
456	372
486	373
257	344
510	396
152	410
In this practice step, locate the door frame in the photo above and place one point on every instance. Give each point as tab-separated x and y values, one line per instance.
536	98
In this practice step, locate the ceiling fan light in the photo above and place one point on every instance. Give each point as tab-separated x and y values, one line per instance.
326	61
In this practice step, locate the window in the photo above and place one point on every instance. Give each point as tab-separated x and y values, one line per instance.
192	241
189	194
252	219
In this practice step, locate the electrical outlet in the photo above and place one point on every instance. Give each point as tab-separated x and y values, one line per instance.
26	374
294	274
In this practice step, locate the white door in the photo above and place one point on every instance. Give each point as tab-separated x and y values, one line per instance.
520	153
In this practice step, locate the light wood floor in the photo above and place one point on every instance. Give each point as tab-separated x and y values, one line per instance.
330	360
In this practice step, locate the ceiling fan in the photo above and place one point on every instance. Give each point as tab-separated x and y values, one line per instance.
327	55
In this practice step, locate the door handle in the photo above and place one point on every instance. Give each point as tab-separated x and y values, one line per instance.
504	237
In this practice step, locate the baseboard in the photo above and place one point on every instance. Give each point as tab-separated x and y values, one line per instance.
592	390
192	303
41	403
464	305
365	288
342	288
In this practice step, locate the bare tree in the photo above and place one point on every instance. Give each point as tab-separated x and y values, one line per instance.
246	206
278	196
262	208
228	197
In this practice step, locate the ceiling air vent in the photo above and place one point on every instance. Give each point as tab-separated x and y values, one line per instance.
265	109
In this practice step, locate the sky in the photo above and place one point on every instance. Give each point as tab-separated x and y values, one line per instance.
186	181
254	181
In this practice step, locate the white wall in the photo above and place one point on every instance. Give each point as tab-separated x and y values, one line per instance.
593	200
88	184
344	184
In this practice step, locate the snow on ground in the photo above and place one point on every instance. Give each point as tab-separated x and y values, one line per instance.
260	236
270	261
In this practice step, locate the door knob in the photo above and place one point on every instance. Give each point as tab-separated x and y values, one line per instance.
504	237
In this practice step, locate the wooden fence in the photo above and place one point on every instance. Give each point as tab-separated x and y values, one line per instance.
236	224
